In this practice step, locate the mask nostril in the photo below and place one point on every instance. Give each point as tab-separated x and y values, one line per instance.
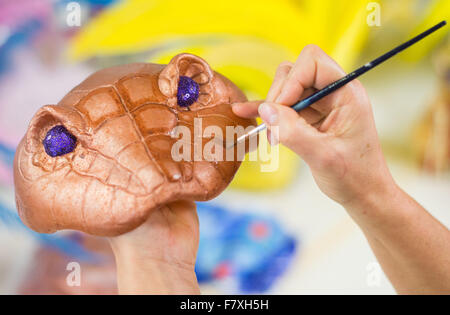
188	91
59	141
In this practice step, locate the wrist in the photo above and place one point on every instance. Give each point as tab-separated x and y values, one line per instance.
140	272
377	204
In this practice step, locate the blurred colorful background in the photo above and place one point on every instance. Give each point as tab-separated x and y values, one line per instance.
279	233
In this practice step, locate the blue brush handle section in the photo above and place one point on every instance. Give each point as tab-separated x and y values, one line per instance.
6	154
67	246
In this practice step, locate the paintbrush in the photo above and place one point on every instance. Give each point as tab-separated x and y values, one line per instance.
348	78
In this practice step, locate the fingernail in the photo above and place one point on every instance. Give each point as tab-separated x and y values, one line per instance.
268	113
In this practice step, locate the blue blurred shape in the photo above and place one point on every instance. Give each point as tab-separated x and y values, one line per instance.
251	250
6	154
65	245
91	2
22	35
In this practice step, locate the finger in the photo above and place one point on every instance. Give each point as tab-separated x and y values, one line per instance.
311	115
313	69
281	74
250	109
292	130
247	109
323	106
317	112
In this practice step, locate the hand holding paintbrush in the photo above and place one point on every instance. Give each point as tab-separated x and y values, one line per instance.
336	136
335	85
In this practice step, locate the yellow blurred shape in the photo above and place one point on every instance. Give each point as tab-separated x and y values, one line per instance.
250	177
435	13
138	25
243	40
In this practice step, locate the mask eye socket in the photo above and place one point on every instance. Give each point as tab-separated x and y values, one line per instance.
188	91
59	141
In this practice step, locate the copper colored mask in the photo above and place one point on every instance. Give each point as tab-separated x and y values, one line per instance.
100	160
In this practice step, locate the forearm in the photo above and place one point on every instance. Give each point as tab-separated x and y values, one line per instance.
412	247
139	274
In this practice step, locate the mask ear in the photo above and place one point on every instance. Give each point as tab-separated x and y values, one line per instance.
49	116
190	66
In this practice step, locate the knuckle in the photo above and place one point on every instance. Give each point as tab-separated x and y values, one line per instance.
329	158
285	64
357	86
359	92
326	161
312	49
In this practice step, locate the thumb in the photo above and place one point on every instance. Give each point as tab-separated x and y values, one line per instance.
288	128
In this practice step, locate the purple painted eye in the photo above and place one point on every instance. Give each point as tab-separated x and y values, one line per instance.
188	91
59	141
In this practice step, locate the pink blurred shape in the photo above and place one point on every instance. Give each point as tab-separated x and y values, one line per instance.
6	175
15	12
29	86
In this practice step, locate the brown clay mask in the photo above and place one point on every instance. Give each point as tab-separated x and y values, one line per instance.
100	160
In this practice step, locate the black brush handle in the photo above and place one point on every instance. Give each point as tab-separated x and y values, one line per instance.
357	73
